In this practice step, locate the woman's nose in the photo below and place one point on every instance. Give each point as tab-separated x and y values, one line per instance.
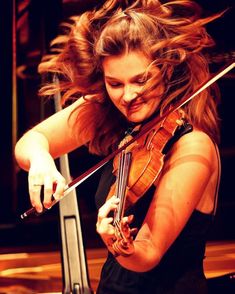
129	93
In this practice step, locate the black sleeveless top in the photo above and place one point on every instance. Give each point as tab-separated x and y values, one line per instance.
180	270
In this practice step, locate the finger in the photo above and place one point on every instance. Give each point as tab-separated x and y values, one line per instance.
104	224
106	208
133	231
105	227
35	197
58	188
35	187
128	219
114	198
48	191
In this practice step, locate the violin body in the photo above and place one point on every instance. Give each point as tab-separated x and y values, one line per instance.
147	158
144	168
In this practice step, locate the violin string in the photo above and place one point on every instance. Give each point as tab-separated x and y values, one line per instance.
122	183
118	181
121	168
118	230
125	176
123	186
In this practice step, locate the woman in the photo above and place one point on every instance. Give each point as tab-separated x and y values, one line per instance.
124	64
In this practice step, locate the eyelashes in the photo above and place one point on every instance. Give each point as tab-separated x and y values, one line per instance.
119	85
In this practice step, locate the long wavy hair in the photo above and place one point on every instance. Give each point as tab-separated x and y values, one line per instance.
172	35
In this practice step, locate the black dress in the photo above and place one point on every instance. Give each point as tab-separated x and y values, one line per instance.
180	270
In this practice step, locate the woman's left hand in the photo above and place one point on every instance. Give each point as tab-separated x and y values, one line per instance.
104	224
118	239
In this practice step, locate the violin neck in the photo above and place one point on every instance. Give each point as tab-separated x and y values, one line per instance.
121	183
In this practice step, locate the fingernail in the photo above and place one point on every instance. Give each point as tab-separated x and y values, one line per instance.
39	209
46	205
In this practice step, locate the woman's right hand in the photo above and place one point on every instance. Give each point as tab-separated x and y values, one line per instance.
44	178
36	149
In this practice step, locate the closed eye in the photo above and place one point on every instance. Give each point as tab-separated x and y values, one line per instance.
141	81
114	84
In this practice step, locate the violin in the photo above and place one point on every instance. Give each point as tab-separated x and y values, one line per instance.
136	169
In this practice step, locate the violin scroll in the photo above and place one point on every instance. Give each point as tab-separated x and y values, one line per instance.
123	243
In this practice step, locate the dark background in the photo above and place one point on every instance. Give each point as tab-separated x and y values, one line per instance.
26	29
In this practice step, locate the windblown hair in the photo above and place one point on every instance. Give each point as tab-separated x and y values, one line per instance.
172	35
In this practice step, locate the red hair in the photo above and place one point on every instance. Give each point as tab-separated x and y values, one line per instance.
171	34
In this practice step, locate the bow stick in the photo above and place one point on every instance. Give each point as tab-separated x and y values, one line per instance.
80	179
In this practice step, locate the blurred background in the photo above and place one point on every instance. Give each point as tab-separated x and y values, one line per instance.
27	27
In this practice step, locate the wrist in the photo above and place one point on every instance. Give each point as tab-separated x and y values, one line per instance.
29	147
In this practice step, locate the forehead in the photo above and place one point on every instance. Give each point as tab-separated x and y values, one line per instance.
126	65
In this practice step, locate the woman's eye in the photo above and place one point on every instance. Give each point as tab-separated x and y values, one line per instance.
114	85
141	81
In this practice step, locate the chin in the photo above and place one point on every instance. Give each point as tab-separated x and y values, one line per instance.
139	116
135	118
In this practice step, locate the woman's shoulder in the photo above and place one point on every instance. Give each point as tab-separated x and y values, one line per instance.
197	138
196	143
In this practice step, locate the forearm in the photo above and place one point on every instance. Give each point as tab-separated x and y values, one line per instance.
147	251
30	145
145	257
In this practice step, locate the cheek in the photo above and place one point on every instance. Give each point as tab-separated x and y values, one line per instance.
113	95
155	104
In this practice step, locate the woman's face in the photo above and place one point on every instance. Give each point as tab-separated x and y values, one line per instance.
124	77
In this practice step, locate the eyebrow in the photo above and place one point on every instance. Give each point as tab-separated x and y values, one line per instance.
140	75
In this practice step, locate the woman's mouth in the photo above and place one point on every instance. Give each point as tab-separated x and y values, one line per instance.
135	106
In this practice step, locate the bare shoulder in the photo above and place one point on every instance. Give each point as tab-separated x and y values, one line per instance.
193	166
193	147
196	141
